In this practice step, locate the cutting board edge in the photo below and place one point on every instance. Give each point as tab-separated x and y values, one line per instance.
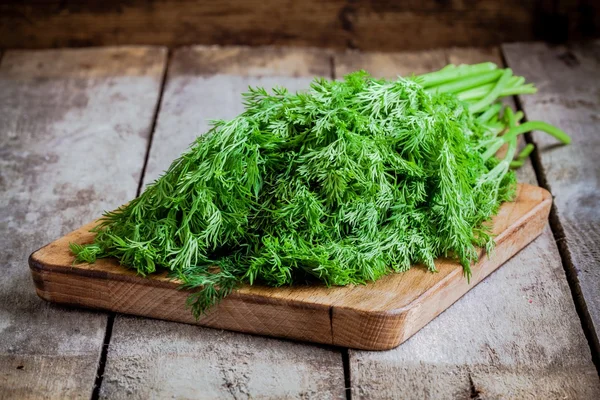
39	268
59	287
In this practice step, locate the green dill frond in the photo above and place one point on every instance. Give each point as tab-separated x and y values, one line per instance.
86	253
341	184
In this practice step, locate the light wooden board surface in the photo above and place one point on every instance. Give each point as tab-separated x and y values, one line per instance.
568	79
184	361
69	119
515	335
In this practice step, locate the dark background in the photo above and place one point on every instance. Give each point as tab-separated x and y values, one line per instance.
368	25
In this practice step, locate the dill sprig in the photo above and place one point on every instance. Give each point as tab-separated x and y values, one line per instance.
341	184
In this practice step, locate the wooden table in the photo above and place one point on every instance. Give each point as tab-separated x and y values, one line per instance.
82	131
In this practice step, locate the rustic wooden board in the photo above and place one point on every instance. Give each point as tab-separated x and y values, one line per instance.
367	25
68	119
515	335
377	316
568	79
183	360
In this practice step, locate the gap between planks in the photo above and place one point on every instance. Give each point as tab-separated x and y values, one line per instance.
50	97
559	235
501	367
111	316
157	108
188	68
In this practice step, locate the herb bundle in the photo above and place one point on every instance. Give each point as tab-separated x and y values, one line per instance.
341	184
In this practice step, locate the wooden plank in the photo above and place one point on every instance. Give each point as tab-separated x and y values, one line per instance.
73	135
389	65
158	359
377	316
515	335
368	25
154	359
568	79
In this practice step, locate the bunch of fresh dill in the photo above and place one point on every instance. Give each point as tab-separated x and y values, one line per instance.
341	184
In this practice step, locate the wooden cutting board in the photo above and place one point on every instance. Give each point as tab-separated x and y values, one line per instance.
376	316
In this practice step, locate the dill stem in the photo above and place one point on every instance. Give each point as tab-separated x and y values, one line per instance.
538	126
525	89
493	149
529	126
520	159
493	94
510	90
525	152
469	82
501	169
451	74
512	149
510	117
489	113
516	164
519	116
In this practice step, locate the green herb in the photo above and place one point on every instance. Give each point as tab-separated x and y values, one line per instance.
347	182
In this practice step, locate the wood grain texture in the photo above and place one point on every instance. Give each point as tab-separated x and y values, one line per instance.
515	335
389	65
69	119
186	361
159	359
368	25
568	79
377	316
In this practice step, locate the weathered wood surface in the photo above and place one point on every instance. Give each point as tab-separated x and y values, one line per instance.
515	335
74	126
376	316
568	79
186	361
368	25
389	65
158	359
